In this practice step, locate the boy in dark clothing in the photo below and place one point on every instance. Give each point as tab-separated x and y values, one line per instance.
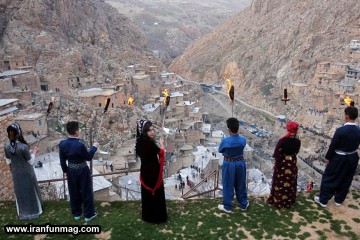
342	160
78	172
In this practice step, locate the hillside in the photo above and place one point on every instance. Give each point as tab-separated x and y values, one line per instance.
170	26
270	44
200	219
69	37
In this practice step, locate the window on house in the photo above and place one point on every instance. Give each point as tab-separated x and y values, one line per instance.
40	122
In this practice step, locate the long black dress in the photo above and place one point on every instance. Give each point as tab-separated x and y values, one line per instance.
153	203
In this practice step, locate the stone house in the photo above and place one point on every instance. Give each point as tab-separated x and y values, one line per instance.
33	124
142	83
153	109
81	81
166	76
98	96
8	106
22	79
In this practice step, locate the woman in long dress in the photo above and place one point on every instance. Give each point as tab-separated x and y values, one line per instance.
151	173
284	182
28	199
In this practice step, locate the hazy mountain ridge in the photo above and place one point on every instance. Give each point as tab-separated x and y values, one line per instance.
170	26
49	34
272	43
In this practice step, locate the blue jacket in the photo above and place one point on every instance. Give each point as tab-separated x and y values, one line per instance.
233	146
74	151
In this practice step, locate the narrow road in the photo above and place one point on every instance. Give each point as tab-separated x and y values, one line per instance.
242	102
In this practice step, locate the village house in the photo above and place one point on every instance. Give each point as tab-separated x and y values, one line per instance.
24	80
80	81
166	76
153	109
327	74
8	106
142	83
35	129
98	97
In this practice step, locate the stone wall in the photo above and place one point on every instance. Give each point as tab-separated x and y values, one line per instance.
6	185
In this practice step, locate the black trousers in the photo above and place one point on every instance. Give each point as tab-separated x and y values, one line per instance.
337	177
81	192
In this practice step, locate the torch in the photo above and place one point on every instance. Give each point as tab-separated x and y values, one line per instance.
285	97
48	111
166	103
231	94
102	116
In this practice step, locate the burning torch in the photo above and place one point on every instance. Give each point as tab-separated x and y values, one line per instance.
166	103
231	94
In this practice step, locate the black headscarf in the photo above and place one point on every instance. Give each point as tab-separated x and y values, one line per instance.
15	134
141	129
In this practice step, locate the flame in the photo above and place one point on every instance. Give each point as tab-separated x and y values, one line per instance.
229	88
166	93
130	101
347	100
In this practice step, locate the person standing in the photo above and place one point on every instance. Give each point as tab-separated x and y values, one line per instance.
342	160
78	173
151	173
233	168
284	181
18	156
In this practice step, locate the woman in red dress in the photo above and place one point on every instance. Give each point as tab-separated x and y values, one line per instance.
284	182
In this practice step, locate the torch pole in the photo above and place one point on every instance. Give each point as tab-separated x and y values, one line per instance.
45	122
232	109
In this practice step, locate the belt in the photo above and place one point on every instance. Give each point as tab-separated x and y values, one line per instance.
344	153
229	159
77	165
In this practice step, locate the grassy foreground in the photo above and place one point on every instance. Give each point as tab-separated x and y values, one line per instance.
200	219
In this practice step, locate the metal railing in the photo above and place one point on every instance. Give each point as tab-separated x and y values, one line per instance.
214	174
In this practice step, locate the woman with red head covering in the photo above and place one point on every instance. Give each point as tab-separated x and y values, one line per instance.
284	182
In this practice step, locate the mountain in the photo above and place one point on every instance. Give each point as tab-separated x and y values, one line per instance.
66	36
171	25
271	44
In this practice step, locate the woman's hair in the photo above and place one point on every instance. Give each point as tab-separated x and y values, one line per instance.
15	134
142	127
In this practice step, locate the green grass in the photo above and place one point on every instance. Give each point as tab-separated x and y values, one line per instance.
193	219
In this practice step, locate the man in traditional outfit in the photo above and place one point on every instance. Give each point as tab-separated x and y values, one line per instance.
342	160
233	168
78	172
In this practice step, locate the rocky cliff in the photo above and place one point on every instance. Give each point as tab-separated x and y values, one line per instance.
67	36
270	44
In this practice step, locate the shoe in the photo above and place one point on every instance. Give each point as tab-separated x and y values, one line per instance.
77	218
338	204
317	200
91	218
246	207
221	207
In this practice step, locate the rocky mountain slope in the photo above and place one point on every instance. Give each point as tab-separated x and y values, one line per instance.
170	26
68	36
270	44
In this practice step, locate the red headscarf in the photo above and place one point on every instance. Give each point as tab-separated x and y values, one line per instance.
292	128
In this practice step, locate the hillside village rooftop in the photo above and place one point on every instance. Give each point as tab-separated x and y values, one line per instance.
10	73
91	92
